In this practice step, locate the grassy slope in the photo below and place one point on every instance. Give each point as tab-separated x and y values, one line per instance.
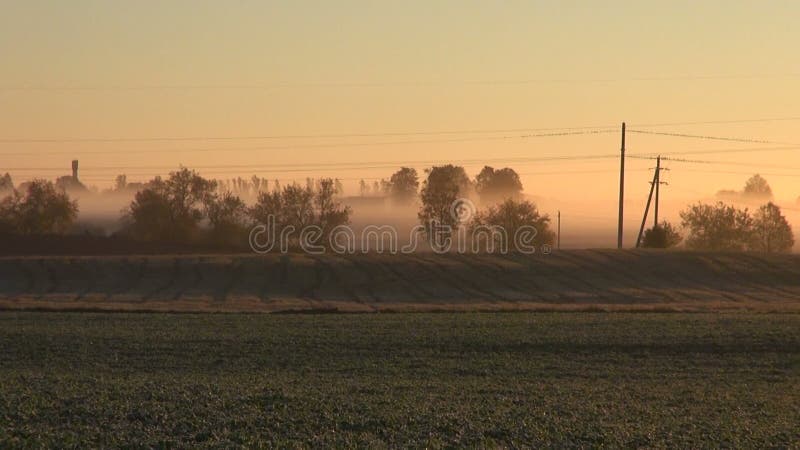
566	280
685	380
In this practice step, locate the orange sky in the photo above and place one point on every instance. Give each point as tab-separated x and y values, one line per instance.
180	69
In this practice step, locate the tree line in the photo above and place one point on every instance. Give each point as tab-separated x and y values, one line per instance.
721	226
187	208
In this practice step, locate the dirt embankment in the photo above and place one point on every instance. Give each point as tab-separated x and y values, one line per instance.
565	280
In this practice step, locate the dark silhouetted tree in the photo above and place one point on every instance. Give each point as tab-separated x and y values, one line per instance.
171	209
227	216
771	231
717	227
662	235
299	207
444	185
329	213
511	215
494	186
40	209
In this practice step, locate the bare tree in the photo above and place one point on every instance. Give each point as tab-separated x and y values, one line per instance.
329	212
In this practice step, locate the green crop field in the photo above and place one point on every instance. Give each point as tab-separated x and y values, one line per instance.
399	380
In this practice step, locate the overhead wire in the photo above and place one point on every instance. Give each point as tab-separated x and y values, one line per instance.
605	128
566	131
713	138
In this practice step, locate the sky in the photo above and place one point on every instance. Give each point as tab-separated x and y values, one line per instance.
353	89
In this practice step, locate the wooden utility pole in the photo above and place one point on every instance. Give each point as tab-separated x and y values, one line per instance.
621	187
658	184
647	208
558	238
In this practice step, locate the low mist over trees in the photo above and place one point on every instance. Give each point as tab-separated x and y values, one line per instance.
40	209
189	208
403	185
756	189
494	186
186	208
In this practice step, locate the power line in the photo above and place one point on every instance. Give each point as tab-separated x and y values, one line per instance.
716	122
714	138
339	166
567	131
719	151
316	146
718	162
734	163
390	134
771	174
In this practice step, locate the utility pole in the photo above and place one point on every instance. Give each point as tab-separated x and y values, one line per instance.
558	239
659	169
654	185
621	187
647	208
658	185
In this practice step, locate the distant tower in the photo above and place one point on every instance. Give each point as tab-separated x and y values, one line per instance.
75	169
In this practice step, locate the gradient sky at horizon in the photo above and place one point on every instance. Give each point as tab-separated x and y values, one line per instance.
100	69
